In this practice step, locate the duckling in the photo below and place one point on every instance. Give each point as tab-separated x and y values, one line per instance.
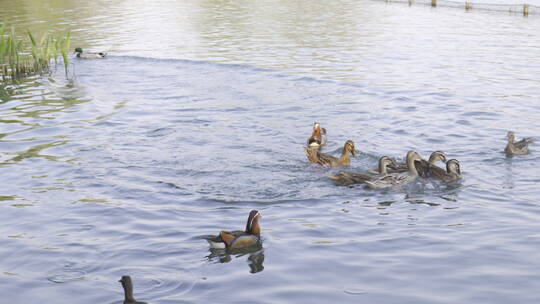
453	172
349	178
79	54
128	291
421	165
428	168
318	137
238	239
397	179
518	147
317	157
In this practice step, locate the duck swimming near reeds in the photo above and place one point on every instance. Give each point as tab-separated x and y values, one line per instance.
80	54
128	291
317	138
323	159
239	239
516	147
397	179
349	178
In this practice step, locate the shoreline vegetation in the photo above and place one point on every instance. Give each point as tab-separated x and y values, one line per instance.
20	57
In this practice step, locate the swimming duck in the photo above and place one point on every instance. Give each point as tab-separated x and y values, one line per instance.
128	291
79	54
518	147
453	172
317	157
397	179
318	137
421	165
349	178
428	168
238	239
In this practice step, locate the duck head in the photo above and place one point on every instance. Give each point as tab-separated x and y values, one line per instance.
453	166
383	162
437	156
349	147
78	50
510	135
128	287
252	225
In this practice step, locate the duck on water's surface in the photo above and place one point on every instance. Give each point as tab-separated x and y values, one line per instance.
239	239
349	178
397	179
421	165
128	291
516	147
317	157
318	137
80	54
453	172
427	168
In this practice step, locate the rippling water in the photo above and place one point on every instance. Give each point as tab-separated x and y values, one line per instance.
200	115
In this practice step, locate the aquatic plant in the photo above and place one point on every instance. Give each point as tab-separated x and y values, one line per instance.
20	59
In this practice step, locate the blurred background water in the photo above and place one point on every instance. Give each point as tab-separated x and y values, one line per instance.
199	115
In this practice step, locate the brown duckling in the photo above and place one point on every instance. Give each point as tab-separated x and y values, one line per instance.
238	239
316	157
318	137
349	178
397	179
516	147
128	291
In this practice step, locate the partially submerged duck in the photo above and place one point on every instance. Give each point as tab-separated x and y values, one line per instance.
452	174
397	179
317	157
80	54
238	239
318	137
516	147
349	178
429	168
128	291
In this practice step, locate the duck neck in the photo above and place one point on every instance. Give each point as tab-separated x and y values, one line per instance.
382	167
128	292
255	228
411	166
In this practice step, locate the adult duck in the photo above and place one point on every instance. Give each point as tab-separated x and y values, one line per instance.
349	178
317	138
128	291
516	147
80	54
239	239
452	174
323	159
421	165
397	179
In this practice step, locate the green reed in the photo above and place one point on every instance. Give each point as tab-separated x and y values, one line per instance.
18	58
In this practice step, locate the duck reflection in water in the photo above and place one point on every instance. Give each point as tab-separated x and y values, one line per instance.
255	255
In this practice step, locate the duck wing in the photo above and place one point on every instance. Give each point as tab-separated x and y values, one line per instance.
522	144
426	169
349	178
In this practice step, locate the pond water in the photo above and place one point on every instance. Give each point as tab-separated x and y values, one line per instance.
200	114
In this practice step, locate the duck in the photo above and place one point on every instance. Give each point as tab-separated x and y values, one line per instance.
239	239
317	157
421	165
428	168
452	174
128	291
516	147
349	178
397	179
318	137
80	54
